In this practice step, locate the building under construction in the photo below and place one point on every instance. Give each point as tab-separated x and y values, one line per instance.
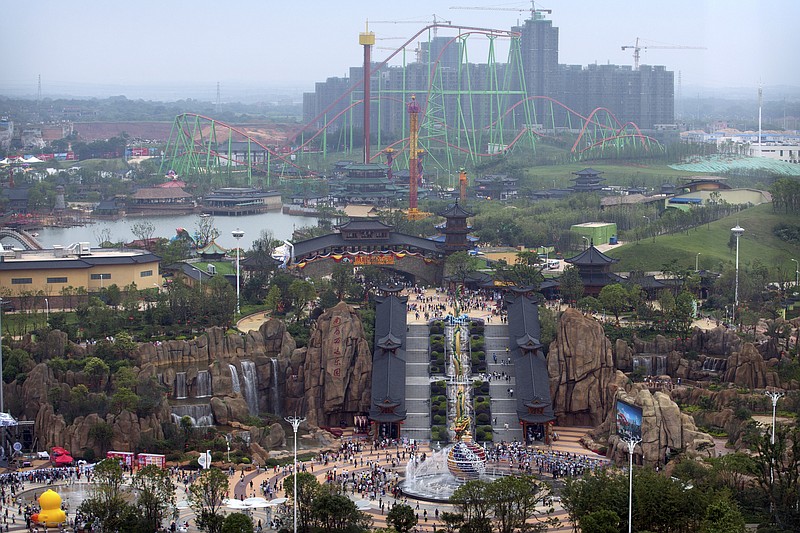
441	70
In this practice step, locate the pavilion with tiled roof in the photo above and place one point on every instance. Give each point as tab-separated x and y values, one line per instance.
595	270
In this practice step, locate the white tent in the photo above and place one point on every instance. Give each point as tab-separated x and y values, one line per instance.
32	159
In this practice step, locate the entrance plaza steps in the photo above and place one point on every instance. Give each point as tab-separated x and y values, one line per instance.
504	408
417	424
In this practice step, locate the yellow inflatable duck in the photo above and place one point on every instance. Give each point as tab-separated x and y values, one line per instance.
51	514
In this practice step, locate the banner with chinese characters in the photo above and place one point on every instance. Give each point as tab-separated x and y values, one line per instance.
387	259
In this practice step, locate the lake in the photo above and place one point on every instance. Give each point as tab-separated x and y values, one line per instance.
279	224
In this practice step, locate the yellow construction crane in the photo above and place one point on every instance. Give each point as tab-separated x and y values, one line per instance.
637	48
535	13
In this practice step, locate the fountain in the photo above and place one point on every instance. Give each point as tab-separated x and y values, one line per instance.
235	385
200	414
250	386
274	399
653	365
203	384
180	386
715	364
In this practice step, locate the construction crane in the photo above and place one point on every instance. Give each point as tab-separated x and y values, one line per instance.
637	48
535	13
437	21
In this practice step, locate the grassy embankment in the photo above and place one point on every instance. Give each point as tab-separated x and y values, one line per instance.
711	241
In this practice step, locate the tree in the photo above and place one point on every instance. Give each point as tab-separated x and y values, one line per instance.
460	265
143	231
602	521
206	232
722	516
778	475
301	292
402	518
273	298
107	506
337	513
156	495
237	523
207	497
614	298
343	280
571	284
96	369
514	501
102	433
307	489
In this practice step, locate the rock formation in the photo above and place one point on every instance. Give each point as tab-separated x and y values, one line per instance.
330	379
581	368
664	428
746	368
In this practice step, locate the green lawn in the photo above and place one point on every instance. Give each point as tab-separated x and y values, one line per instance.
711	241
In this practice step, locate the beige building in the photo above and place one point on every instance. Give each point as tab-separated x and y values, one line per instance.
46	273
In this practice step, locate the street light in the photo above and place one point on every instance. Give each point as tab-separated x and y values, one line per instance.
295	421
585	240
696	264
774	396
737	232
2	409
237	234
796	273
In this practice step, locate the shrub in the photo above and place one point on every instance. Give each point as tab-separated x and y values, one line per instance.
482	418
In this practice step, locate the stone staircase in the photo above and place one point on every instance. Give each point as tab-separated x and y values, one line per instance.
418	422
504	408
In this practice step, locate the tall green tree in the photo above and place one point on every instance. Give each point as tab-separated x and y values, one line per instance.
571	285
207	497
402	518
237	523
614	299
307	489
155	495
107	508
337	513
460	265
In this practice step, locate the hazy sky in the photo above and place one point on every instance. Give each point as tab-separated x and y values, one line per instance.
127	45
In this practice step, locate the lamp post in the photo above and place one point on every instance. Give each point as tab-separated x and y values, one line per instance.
585	241
648	225
737	232
796	273
2	408
47	312
237	234
774	396
632	442
697	262
295	421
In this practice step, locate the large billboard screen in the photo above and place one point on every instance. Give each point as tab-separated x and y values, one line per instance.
629	421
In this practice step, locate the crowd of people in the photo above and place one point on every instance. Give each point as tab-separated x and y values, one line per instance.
533	460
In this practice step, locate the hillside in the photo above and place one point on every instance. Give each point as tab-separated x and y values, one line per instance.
711	241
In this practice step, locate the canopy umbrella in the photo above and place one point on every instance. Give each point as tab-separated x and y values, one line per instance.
278	501
237	504
7	420
182	504
63	460
257	502
363	505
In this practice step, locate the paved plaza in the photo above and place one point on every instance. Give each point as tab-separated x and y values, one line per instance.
246	484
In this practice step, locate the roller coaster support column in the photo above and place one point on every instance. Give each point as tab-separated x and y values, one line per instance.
413	166
366	39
